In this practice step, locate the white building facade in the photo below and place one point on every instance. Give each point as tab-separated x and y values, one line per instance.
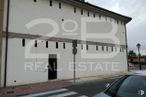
37	41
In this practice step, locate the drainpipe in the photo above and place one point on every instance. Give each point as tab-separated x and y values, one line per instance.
126	47
6	46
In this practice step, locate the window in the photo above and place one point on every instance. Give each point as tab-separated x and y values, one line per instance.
82	11
94	15
46	44
64	45
35	0
106	18
106	48
111	19
115	48
117	22
56	45
50	2
97	48
99	16
82	47
23	42
88	13
59	5
122	49
87	47
112	49
75	10
35	43
102	48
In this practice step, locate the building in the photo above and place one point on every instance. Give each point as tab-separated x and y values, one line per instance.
28	43
135	59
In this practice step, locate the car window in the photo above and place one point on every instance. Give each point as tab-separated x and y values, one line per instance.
129	86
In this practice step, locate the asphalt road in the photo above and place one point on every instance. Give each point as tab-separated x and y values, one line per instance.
90	88
86	89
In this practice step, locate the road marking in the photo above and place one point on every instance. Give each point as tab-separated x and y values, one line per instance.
64	94
83	96
56	93
46	93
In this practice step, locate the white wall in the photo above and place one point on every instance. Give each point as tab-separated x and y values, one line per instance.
17	60
20	15
24	11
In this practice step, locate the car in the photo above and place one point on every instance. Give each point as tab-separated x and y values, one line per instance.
132	66
131	85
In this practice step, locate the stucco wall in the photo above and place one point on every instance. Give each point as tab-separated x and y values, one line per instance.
85	67
20	15
1	27
24	11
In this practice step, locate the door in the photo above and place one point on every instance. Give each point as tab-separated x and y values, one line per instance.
52	67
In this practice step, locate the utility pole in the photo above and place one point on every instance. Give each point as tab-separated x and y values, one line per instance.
74	51
138	47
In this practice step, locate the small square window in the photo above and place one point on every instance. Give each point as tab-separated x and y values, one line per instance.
122	49
117	22
112	49
82	47
82	11
94	15
46	44
36	43
116	49
59	5
88	13
106	18
102	48
56	45
97	48
64	46
111	19
75	9
23	42
100	16
106	48
87	47
50	2
35	0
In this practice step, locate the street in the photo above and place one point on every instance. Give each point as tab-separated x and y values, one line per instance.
91	88
137	67
86	89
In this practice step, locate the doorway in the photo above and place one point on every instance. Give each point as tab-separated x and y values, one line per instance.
52	67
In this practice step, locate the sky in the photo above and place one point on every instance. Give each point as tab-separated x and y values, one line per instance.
136	9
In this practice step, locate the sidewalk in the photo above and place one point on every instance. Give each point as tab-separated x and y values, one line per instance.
27	89
41	87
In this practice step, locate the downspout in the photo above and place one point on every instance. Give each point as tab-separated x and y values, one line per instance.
6	46
126	40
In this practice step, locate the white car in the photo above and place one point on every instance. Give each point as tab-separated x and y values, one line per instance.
130	85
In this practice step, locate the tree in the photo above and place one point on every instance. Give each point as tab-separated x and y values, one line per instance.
131	53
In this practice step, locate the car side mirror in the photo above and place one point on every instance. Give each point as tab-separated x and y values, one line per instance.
107	85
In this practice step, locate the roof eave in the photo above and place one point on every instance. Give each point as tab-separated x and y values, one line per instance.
95	8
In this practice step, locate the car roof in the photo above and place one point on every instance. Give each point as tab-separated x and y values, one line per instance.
141	73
